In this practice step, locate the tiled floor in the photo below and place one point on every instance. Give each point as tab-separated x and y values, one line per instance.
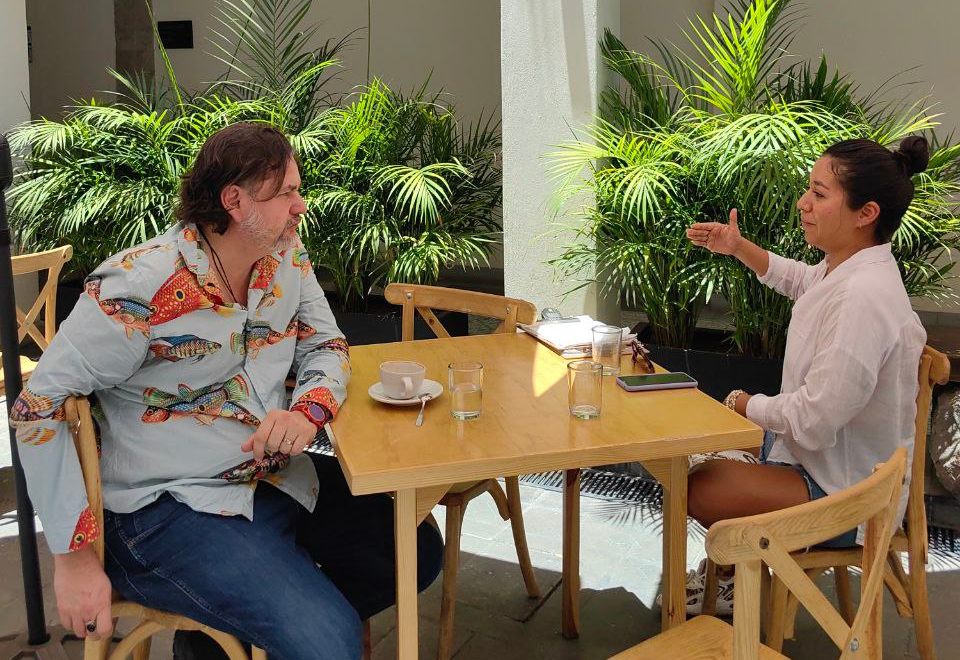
620	573
620	577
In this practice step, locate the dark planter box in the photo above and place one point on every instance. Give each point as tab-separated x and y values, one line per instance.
719	373
717	369
380	322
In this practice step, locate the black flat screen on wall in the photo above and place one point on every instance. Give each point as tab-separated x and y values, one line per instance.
176	34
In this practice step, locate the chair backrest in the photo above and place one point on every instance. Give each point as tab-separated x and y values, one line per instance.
934	369
80	421
769	539
51	261
424	299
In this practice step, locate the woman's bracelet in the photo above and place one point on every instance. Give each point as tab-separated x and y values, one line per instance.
731	400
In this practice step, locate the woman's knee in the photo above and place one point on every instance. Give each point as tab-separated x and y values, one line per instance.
704	493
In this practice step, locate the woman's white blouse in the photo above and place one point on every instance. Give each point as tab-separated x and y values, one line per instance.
849	386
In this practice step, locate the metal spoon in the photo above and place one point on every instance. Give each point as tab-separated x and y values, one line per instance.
423	404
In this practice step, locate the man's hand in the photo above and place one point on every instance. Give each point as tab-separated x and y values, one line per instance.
83	593
285	431
715	236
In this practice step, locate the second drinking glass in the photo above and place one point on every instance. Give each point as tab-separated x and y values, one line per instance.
607	347
465	380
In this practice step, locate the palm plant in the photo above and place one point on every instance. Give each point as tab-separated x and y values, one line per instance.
744	125
396	188
402	191
106	176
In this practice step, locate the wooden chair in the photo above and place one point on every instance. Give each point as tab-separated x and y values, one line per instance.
909	590
51	261
769	539
421	299
150	621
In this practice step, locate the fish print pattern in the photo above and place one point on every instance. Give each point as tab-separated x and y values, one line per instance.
254	470
179	295
301	260
204	404
127	259
132	313
180	347
257	335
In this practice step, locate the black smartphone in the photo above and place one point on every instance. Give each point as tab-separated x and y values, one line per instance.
664	381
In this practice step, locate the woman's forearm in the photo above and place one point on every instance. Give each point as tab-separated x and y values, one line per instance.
753	256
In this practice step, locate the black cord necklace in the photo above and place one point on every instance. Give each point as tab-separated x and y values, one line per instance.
218	264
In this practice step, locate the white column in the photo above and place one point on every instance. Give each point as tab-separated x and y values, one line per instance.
551	77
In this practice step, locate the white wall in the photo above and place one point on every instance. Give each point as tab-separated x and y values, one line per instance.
15	95
664	21
454	42
73	43
14	75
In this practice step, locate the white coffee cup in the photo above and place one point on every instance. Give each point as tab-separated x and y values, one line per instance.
401	379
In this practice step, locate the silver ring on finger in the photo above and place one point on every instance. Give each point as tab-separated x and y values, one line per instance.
286	442
91	626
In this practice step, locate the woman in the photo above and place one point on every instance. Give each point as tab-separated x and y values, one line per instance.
853	345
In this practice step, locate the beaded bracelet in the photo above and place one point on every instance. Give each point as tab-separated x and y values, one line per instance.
731	400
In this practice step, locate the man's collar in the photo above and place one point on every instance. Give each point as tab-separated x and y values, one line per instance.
188	242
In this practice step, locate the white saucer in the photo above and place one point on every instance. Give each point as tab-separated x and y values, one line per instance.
430	387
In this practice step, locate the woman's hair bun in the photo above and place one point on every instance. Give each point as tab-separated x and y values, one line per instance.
913	154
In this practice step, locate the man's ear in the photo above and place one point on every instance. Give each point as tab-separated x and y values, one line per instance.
868	214
230	197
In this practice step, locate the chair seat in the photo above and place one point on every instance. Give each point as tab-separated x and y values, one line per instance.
700	638
26	368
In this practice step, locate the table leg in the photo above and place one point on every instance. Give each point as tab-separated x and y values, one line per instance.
405	533
674	610
571	555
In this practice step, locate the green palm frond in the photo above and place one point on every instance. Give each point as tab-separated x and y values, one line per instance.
730	121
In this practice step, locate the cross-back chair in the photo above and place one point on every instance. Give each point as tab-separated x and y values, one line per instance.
909	590
769	539
52	262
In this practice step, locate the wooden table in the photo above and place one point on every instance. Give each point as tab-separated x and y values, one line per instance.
525	428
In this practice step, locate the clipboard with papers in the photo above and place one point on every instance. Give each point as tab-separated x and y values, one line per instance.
571	338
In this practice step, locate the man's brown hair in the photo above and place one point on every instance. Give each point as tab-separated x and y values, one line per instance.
246	154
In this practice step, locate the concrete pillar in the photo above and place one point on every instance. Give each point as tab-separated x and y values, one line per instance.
551	76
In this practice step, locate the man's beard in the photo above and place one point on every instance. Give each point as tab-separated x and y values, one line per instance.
260	235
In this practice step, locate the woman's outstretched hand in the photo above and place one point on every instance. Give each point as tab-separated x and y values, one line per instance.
716	236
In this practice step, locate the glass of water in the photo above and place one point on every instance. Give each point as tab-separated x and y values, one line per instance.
466	389
584	388
607	347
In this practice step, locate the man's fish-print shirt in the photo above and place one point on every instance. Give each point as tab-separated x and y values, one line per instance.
181	381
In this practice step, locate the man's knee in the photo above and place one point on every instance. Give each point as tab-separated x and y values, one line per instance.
335	633
429	554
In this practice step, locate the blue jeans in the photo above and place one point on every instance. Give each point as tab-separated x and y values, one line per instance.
260	580
847	539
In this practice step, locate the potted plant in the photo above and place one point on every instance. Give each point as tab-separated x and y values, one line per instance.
396	188
731	122
401	191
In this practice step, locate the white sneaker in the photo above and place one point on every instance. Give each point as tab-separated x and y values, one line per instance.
696	582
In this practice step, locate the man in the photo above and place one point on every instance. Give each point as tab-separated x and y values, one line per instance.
212	508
